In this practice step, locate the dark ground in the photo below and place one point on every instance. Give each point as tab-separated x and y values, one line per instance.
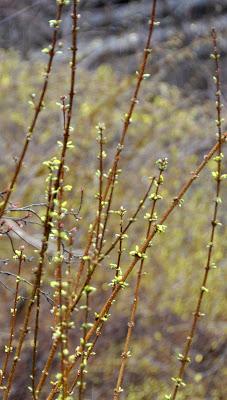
113	31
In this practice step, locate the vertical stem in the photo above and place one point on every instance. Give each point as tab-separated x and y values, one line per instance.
124	356
100	193
67	130
184	357
84	355
109	189
13	319
38	275
38	109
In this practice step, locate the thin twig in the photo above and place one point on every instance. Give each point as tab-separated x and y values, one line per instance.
184	357
38	109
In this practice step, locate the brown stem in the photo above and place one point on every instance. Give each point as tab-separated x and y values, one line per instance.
124	356
36	288
67	127
100	203
38	109
184	358
128	117
13	319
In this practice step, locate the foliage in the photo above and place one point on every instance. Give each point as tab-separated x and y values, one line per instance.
164	123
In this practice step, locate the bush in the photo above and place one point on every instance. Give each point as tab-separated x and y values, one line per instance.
109	201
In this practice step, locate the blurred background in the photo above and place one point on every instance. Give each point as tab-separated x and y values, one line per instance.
113	31
176	119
